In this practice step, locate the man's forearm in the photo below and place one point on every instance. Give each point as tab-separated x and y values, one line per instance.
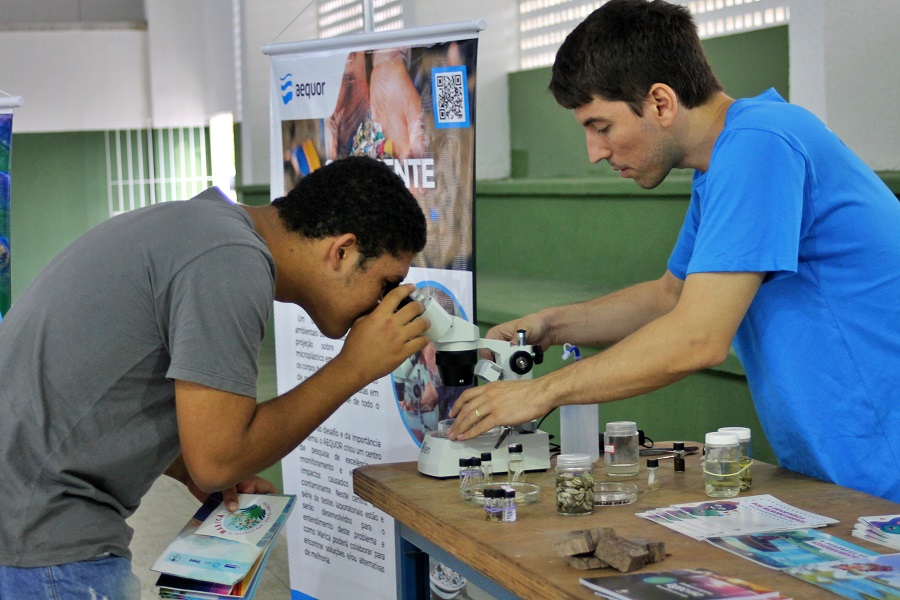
606	320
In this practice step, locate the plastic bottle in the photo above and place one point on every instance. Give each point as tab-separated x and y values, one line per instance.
574	484
745	441
579	430
721	465
620	448
579	427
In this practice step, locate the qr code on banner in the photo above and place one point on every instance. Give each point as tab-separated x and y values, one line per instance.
451	96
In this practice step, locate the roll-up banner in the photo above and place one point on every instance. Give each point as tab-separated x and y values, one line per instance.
7	104
404	97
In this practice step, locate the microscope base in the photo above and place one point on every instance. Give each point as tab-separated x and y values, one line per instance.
439	456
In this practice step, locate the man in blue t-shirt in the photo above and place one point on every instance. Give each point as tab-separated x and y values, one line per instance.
789	251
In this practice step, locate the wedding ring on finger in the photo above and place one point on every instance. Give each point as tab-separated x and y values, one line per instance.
478	415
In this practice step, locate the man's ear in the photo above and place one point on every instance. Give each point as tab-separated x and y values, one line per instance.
342	251
662	103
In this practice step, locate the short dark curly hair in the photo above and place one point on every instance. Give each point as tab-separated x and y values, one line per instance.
356	195
624	47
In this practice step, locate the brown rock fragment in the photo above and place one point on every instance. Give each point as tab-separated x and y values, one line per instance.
621	554
584	562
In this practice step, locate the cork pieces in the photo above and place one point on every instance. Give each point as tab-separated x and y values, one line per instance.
601	547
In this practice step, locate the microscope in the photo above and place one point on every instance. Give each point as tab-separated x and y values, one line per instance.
458	345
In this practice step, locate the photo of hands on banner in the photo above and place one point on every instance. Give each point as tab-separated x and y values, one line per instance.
389	109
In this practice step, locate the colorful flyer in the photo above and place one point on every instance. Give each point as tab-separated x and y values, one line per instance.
785	549
864	579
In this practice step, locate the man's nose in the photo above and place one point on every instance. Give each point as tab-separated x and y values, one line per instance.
597	150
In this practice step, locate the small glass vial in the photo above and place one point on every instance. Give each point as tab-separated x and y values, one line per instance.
620	448
465	467
475	476
493	508
745	442
487	470
516	466
678	448
722	465
509	507
652	474
574	484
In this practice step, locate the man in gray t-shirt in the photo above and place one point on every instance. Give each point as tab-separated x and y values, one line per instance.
133	353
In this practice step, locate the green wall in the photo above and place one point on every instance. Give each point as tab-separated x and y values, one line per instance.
546	141
58	191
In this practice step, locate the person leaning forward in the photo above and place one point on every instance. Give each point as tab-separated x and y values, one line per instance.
789	251
134	353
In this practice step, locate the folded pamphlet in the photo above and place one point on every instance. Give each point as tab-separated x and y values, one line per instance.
220	547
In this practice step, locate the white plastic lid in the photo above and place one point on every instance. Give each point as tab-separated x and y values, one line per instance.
721	438
621	427
573	460
743	433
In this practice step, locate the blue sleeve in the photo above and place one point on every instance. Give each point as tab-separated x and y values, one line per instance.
746	213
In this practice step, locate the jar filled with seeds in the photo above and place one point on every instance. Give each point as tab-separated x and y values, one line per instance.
574	484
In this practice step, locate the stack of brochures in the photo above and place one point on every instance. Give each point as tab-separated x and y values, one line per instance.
221	554
884	530
677	584
734	516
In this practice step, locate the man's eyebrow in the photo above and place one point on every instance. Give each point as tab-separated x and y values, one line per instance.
593	121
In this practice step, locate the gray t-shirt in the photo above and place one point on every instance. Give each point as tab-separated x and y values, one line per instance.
179	290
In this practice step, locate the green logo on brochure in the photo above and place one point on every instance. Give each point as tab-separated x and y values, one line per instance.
242	521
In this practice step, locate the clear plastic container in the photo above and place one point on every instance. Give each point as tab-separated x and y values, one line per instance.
579	430
574	484
620	448
722	465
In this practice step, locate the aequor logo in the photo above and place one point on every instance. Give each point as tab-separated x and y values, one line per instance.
290	90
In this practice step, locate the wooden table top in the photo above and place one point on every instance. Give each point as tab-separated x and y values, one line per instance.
521	556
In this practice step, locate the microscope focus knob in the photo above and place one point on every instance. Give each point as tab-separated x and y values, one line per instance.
538	354
521	362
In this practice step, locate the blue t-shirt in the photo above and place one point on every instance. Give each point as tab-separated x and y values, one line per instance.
820	342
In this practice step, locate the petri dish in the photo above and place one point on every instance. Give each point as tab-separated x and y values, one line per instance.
611	493
526	493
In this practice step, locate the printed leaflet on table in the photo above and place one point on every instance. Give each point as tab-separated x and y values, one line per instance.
734	516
